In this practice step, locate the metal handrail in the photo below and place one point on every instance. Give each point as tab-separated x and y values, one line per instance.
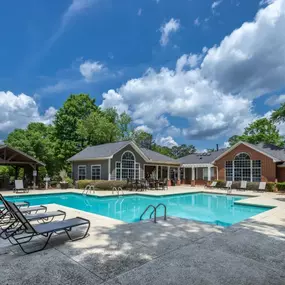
165	210
118	191
154	210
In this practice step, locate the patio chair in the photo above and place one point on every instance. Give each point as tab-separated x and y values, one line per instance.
212	185
228	186
44	230
262	186
243	185
19	187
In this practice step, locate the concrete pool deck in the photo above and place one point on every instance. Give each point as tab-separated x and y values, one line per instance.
176	251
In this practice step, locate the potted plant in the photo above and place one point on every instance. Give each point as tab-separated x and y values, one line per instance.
64	177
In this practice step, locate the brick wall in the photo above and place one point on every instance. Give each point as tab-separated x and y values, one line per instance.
268	167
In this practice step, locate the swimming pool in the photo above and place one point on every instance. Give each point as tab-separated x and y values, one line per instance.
208	208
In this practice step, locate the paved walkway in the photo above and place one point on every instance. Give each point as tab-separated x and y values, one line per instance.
176	251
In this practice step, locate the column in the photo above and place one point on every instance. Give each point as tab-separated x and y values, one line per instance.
161	168
178	176
193	176
168	176
209	173
109	169
156	173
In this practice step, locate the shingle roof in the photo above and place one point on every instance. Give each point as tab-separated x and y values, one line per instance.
201	158
99	151
155	156
272	150
109	149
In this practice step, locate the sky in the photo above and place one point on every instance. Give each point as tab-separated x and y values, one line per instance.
187	71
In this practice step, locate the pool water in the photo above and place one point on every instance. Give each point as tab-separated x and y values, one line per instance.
208	208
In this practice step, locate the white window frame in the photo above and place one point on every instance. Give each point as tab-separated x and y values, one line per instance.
95	165
136	164
81	166
250	167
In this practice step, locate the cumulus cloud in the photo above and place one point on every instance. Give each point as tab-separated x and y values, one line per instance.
89	68
166	141
144	128
275	100
17	111
213	90
167	29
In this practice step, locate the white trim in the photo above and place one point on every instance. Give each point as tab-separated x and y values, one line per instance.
197	165
100	171
248	145
281	165
88	159
109	169
85	166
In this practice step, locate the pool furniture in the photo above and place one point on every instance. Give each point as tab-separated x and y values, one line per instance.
228	186
45	230
19	187
243	185
262	186
212	185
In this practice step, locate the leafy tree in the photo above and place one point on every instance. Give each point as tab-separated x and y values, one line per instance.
97	129
182	150
233	140
143	139
261	130
279	114
75	109
162	149
38	140
125	127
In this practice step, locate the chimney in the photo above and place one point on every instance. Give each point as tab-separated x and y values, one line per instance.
217	147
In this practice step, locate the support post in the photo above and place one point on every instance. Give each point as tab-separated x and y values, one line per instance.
178	176
156	172
109	169
209	173
168	176
193	176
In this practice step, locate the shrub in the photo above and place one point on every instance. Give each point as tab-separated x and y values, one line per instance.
280	186
220	184
102	184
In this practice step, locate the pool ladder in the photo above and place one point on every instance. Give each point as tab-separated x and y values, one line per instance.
154	211
118	190
89	188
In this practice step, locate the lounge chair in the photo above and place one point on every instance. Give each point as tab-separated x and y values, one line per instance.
243	185
19	187
262	186
228	186
212	185
44	230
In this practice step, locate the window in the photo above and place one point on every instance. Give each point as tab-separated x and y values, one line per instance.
242	168
127	168
118	170
81	172
96	172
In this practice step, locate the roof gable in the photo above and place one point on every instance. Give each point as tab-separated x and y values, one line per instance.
154	156
274	152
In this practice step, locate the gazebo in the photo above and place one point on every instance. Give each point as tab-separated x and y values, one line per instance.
10	156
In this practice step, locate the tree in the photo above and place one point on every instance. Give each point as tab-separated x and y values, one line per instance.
38	140
125	128
233	140
279	114
182	150
143	139
97	129
75	109
261	130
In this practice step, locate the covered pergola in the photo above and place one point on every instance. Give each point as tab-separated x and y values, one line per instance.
10	156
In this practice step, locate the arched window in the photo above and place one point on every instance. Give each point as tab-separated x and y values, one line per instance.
242	168
127	168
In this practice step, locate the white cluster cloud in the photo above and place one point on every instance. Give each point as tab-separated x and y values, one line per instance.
168	28
216	95
275	100
17	111
166	141
215	4
89	68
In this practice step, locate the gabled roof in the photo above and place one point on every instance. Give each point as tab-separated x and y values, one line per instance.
12	156
106	151
274	152
201	158
154	156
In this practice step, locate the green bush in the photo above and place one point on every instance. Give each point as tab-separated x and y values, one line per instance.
220	184
280	186
102	184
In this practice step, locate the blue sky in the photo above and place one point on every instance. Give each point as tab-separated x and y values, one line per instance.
177	67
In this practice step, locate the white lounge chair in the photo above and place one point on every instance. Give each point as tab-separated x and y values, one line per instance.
212	185
19	186
262	186
228	186
243	185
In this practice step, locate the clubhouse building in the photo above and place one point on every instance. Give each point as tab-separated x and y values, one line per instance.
123	160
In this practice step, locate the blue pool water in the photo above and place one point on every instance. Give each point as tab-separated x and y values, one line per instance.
209	208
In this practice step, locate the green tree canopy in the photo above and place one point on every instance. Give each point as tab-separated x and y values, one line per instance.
182	150
143	139
38	140
261	130
279	114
